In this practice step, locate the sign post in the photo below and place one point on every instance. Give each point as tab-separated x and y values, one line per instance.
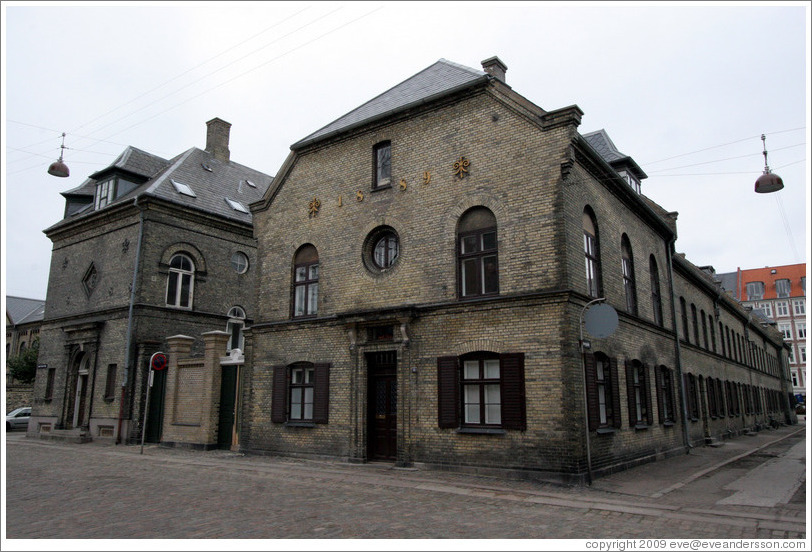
156	362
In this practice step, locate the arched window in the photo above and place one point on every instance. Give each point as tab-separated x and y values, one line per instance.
656	298
306	282
629	286
638	389
477	253
592	253
234	327
180	284
683	307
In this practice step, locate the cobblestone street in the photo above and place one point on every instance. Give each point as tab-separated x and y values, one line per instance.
92	491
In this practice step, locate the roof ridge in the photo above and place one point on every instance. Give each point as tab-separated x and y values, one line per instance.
169	170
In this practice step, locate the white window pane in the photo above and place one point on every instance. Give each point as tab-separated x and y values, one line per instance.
492	395
299	301
492	369
472	394
308	403
296	376
493	414
471	369
312	298
301	274
309	375
314	272
472	414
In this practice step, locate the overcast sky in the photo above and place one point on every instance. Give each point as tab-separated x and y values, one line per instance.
687	90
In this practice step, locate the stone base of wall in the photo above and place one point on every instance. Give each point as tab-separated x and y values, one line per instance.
66	435
18	395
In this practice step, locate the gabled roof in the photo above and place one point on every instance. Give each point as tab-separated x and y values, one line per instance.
442	78
21	310
213	182
600	142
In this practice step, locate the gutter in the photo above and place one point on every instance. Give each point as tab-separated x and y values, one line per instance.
677	350
127	355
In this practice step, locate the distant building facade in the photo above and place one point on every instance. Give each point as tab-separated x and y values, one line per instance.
148	247
780	293
23	321
426	263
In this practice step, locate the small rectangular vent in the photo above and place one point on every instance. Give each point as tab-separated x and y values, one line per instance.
44	428
106	431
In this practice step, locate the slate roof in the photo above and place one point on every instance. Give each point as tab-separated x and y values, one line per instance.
439	79
21	310
600	142
224	180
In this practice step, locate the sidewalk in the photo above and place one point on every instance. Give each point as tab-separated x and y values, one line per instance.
657	479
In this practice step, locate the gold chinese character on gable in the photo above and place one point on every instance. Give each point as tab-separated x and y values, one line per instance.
461	167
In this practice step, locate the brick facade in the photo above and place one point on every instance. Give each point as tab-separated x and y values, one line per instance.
533	172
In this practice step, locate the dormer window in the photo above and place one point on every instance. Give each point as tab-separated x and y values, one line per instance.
631	180
111	189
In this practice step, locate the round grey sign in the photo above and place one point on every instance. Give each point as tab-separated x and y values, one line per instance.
601	320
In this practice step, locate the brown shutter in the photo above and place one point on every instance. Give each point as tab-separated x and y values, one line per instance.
448	401
615	393
591	391
630	394
279	395
646	383
658	382
671	390
513	397
321	393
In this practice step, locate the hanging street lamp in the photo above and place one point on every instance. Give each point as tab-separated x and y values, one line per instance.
768	182
58	168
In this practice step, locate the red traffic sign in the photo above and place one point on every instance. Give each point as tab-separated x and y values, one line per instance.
158	361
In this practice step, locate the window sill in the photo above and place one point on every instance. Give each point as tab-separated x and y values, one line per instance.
300	424
481	431
605	430
640	427
668	424
109	399
186	425
382	187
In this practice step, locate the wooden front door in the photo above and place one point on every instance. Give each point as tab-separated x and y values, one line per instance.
382	406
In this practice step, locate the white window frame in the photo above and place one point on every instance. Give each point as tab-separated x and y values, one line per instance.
767	308
178	275
799	306
780	289
786	329
781	308
755	291
800	330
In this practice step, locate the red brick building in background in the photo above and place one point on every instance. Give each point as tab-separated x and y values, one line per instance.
780	293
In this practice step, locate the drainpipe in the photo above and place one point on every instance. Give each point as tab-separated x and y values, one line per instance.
677	351
130	318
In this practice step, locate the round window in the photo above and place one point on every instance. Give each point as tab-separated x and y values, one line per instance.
381	249
239	262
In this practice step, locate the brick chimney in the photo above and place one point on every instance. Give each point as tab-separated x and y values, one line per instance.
217	139
495	68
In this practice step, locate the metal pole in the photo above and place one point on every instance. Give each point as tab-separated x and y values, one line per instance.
583	379
146	409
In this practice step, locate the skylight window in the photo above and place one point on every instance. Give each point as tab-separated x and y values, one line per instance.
237	206
250	183
206	167
182	188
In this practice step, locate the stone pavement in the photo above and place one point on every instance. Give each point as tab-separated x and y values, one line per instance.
58	491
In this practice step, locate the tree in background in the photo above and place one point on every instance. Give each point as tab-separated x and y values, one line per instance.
23	367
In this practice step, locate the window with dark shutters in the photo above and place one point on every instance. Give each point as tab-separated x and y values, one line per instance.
513	398
603	391
448	392
638	393
279	405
